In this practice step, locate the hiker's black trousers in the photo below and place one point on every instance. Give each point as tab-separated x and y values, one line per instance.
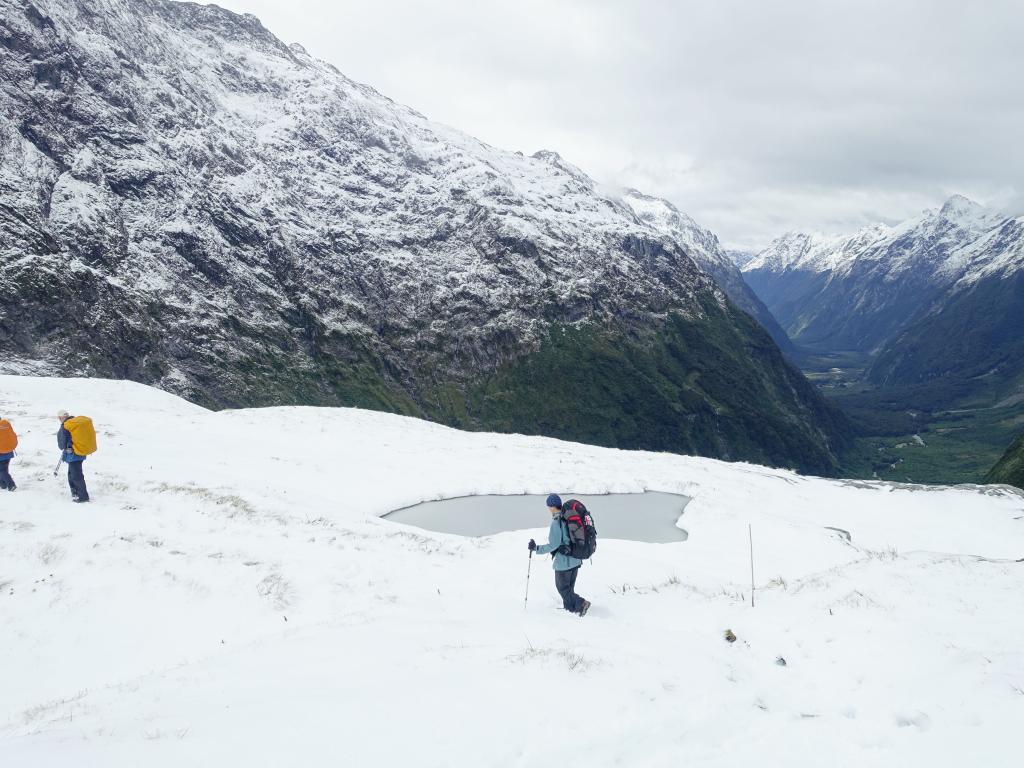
565	583
76	479
6	481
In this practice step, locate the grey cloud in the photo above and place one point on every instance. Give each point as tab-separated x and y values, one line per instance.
755	118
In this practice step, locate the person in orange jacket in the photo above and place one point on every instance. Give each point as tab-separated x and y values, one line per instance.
8	442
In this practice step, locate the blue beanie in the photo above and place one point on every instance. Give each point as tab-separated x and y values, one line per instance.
554	501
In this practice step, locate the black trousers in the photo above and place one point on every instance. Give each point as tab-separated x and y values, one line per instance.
76	479
6	481
565	583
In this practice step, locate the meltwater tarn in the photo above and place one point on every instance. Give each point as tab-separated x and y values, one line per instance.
650	517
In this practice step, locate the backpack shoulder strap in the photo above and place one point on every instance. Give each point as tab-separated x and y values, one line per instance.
563	525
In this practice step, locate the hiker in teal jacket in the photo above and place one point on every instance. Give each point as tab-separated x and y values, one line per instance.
566	567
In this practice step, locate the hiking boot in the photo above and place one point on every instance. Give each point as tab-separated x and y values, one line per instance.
584	608
80	501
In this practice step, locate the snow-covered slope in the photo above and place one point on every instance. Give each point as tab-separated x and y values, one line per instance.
189	202
740	258
703	246
857	292
231	598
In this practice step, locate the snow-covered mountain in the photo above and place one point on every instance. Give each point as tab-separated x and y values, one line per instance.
187	201
857	292
219	603
177	161
739	257
703	246
939	297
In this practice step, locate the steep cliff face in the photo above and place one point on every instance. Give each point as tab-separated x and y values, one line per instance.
703	246
972	333
187	201
1010	468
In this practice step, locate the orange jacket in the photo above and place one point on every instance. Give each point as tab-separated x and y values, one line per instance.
8	439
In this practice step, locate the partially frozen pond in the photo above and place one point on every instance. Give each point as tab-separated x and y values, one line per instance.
649	517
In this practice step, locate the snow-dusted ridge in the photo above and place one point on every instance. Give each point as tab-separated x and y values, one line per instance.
939	238
200	179
843	292
231	597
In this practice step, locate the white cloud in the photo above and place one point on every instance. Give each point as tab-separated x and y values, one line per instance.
754	117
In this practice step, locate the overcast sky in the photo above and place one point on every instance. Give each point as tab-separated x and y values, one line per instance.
755	117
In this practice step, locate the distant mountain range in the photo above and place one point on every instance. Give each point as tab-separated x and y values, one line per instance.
937	298
187	201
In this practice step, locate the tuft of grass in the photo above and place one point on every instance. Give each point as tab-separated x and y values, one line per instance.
276	591
778	581
886	553
574	662
50	553
644	589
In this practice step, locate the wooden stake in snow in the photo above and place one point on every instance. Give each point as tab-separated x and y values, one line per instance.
750	533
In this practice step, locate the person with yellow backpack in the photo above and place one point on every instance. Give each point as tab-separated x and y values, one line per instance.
8	442
77	439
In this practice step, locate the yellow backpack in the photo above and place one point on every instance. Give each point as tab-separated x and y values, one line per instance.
8	440
83	435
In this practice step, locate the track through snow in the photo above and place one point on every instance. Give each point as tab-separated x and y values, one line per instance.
231	598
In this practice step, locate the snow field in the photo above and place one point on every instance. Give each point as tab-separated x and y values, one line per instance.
231	598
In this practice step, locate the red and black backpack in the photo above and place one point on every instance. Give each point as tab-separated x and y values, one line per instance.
580	529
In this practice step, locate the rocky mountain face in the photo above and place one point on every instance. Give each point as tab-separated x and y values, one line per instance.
859	292
187	201
703	246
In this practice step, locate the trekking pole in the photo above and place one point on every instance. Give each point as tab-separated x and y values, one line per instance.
528	567
57	468
750	533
